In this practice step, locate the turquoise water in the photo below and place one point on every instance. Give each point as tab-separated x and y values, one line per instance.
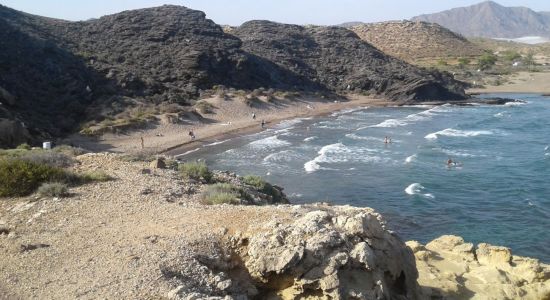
498	193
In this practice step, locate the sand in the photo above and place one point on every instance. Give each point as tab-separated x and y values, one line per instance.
230	118
521	82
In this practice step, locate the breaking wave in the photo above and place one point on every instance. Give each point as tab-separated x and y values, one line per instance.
457	133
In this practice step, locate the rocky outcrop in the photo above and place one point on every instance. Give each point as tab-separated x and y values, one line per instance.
339	60
323	253
414	41
453	269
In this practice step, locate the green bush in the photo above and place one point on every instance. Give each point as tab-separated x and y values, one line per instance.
195	170
261	185
47	157
20	177
54	189
24	146
95	176
221	193
487	60
255	181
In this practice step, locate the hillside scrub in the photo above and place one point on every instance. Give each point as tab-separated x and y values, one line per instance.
20	177
221	193
195	171
53	189
263	186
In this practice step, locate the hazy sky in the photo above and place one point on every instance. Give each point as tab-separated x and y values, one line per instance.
235	12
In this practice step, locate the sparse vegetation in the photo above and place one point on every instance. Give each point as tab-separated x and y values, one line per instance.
486	61
221	193
204	107
261	185
48	157
20	177
195	171
53	189
95	176
24	146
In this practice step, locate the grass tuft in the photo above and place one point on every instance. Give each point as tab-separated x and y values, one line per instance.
221	193
195	170
53	189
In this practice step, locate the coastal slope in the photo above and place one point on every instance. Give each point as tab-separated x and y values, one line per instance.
146	235
416	41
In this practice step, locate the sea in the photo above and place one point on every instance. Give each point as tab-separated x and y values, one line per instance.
496	191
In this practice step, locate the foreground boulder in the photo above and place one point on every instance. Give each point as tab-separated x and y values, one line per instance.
452	269
326	253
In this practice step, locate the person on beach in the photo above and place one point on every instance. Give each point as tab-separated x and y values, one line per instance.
253	116
263	123
192	135
142	142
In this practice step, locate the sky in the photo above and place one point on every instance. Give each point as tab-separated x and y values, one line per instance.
235	12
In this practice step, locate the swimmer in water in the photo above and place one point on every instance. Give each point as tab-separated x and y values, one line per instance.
450	162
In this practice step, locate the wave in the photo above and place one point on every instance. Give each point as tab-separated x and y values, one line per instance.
516	103
188	152
421	116
457	133
309	139
418	189
216	143
269	142
410	159
354	136
340	153
348	111
283	156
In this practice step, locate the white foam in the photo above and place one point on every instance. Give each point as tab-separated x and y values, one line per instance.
546	148
282	156
354	136
417	189
412	118
457	133
309	139
410	159
516	103
188	152
313	165
340	153
348	111
269	142
216	143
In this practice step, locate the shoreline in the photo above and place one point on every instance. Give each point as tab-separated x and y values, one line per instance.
231	119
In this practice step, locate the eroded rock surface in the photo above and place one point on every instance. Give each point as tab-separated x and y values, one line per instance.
323	253
453	269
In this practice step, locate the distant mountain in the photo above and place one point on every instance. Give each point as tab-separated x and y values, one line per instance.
350	24
56	75
414	41
492	20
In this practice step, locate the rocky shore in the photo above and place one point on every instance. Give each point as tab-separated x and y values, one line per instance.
146	235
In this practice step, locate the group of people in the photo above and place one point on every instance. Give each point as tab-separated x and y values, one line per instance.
387	140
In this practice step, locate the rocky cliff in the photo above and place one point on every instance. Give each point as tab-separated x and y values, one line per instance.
414	41
56	74
339	60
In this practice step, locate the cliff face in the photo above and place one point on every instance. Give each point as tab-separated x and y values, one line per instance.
339	60
413	41
55	74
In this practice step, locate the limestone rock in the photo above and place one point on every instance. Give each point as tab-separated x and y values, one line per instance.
318	254
449	270
158	163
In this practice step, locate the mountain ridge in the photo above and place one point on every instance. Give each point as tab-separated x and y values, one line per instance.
492	20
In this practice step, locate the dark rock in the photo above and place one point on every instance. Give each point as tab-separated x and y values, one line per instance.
340	61
30	247
158	163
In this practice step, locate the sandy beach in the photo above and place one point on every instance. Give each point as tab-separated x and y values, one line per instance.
522	82
229	118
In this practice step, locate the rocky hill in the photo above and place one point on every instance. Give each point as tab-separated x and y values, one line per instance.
492	20
55	75
413	41
336	58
